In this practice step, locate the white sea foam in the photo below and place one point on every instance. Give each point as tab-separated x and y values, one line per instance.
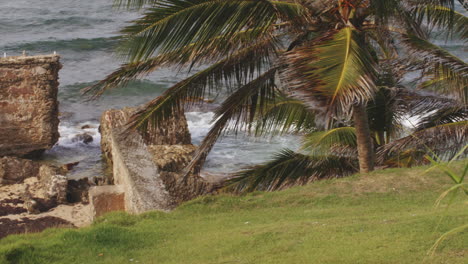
233	152
69	134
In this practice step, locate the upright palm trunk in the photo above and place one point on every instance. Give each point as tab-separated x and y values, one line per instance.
364	140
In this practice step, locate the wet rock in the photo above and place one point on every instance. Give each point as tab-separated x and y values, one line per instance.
86	127
28	102
70	166
85	138
15	170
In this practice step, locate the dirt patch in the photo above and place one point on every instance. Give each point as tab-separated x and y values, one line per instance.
26	225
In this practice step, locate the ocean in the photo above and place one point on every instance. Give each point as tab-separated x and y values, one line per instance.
84	34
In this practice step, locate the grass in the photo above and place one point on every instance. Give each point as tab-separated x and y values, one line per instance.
382	217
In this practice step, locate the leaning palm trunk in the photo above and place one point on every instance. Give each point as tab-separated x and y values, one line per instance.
364	139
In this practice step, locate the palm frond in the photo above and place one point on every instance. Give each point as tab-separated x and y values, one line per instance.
133	4
172	24
446	115
241	67
444	67
464	4
386	112
443	140
326	141
246	52
444	3
416	103
336	71
384	10
288	168
236	112
444	18
285	115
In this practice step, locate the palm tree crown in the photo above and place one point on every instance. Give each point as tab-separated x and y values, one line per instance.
287	64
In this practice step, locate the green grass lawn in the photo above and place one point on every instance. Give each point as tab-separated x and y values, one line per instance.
383	217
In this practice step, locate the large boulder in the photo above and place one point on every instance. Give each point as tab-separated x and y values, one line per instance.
28	102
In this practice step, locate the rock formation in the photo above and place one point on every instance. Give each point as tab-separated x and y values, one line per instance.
148	164
28	103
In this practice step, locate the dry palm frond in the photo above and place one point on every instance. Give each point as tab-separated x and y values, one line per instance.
446	115
443	67
443	140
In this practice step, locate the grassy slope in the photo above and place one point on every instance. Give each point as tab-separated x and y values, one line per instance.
384	217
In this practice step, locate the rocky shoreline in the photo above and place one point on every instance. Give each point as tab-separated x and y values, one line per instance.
147	166
35	196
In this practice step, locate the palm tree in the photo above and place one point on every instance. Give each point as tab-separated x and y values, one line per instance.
331	153
327	55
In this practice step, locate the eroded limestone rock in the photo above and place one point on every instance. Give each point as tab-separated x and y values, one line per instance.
175	132
28	102
172	158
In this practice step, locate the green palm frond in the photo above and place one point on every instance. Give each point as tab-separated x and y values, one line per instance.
444	18
325	142
241	67
285	115
172	24
444	67
443	140
288	168
243	61
236	112
444	3
446	115
337	71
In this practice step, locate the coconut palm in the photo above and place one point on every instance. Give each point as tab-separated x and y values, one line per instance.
327	55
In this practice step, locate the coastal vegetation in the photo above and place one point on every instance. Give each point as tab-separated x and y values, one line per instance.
387	216
335	72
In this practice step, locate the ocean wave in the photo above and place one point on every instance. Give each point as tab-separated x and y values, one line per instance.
65	46
70	135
